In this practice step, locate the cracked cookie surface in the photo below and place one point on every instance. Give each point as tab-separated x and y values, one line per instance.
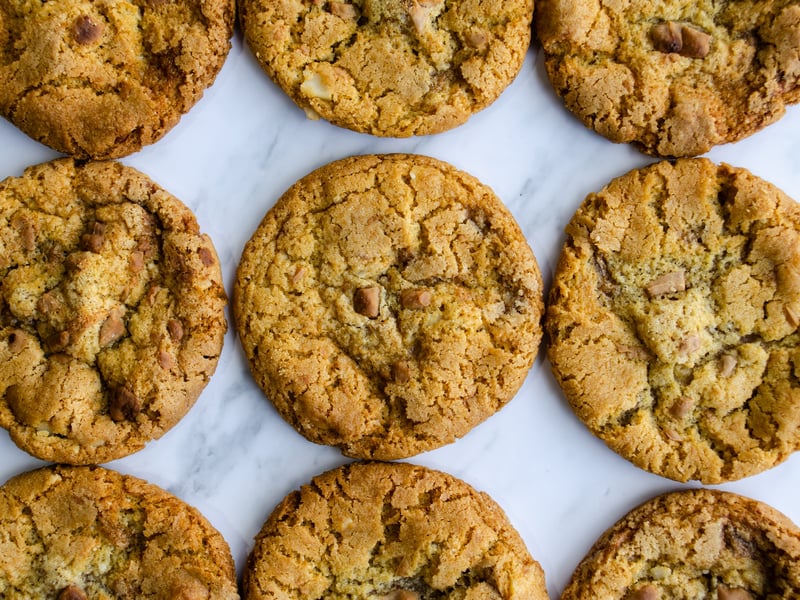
390	531
673	320
74	533
101	79
693	544
388	304
674	78
111	310
390	67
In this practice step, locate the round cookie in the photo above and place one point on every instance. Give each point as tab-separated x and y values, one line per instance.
101	79
74	533
674	78
388	304
390	67
390	531
673	320
693	544
111	310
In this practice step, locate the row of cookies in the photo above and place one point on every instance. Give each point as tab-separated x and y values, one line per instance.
390	531
102	79
388	304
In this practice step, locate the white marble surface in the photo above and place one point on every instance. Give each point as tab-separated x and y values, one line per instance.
234	458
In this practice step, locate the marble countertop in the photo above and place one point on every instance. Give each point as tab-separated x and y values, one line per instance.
234	458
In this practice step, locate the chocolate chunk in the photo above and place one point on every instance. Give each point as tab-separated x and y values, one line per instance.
367	301
206	256
175	330
86	30
112	328
669	283
415	298
696	43
667	37
124	405
93	241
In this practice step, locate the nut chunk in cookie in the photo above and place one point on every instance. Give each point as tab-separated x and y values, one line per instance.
111	310
672	320
390	531
673	78
388	304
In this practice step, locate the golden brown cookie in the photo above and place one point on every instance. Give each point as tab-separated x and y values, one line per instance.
111	310
72	533
102	78
674	78
693	544
390	531
673	320
390	67
388	304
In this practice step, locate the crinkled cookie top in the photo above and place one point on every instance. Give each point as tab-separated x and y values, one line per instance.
111	310
674	78
101	79
673	320
388	304
390	531
390	67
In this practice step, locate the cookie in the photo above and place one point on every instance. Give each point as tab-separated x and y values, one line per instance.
693	544
74	533
388	304
390	531
673	320
111	310
101	79
391	68
673	78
